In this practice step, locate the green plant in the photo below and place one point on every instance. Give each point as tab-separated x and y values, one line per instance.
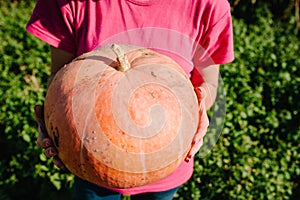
257	155
24	71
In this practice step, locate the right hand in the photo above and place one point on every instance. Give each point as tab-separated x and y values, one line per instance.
43	140
202	125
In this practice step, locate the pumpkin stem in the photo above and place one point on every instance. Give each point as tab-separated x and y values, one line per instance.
122	59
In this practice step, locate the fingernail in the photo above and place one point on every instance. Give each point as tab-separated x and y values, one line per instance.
52	152
47	144
187	159
58	164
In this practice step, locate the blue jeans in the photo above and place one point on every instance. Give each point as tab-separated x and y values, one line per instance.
85	190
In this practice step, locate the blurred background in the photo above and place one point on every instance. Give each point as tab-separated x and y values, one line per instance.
257	155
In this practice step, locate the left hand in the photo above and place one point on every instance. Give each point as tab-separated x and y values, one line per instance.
202	125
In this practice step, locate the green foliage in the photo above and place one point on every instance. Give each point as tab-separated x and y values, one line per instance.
256	157
280	9
24	72
258	153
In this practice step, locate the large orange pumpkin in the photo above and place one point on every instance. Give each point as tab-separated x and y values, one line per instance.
121	116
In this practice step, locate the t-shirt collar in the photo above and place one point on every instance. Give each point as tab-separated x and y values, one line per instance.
143	2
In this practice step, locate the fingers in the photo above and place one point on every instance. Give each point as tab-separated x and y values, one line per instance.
194	149
50	152
43	140
46	144
203	124
197	142
58	163
39	114
201	94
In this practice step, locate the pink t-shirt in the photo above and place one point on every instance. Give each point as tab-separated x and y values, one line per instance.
195	33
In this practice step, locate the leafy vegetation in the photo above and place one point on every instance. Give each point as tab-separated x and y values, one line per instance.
257	155
24	68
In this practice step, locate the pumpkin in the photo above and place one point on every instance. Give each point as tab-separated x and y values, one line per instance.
121	116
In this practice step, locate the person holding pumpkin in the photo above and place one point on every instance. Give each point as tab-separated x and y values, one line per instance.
196	34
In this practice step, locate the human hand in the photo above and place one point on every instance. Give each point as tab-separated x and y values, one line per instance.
43	140
202	125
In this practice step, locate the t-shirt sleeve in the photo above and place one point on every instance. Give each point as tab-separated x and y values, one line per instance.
216	42
51	22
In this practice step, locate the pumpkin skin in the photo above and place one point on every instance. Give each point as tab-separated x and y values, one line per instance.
121	129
